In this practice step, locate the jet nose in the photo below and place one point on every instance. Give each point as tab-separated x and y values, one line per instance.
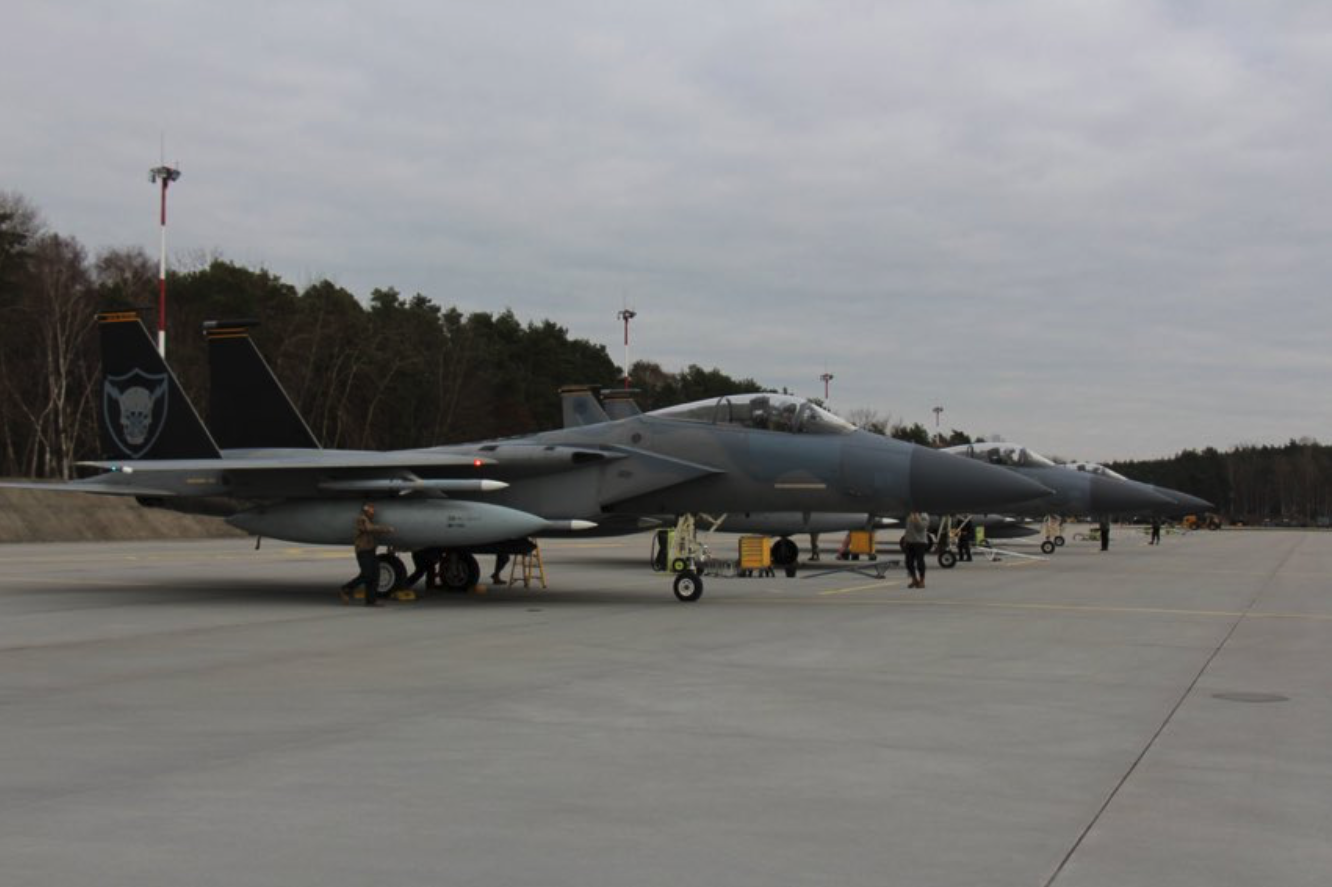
945	483
1111	496
1187	504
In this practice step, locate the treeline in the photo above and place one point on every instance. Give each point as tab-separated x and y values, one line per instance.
398	372
404	371
1290	484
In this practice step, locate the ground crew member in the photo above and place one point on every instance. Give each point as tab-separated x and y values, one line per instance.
965	535
365	542
425	562
501	561
915	542
1156	531
1105	534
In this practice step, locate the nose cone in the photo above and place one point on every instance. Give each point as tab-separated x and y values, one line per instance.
944	483
1112	496
1186	504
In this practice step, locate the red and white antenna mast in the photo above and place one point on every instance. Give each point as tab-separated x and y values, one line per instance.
166	175
626	314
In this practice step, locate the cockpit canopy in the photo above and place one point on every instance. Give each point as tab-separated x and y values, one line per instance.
766	412
1008	454
1094	468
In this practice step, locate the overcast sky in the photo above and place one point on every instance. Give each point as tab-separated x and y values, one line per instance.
1102	229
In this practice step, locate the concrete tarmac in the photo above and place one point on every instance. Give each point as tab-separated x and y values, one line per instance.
199	713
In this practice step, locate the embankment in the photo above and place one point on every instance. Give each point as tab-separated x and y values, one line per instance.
36	516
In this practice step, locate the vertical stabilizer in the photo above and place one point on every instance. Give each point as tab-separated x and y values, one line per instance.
247	406
619	403
143	413
581	406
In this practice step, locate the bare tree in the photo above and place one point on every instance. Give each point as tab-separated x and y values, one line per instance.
59	309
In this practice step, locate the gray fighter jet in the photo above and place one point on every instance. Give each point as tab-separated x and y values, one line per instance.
1075	492
1179	505
756	452
250	408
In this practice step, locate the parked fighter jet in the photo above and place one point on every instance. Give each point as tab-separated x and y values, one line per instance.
1075	492
1180	503
780	431
763	452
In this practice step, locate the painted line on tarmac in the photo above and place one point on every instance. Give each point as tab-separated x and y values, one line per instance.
1061	608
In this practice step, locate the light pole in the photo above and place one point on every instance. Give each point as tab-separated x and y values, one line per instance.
166	175
626	314
826	378
938	411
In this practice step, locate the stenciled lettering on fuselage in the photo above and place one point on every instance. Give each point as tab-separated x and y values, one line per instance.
135	406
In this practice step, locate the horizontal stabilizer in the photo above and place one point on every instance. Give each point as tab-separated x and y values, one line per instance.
318	461
104	485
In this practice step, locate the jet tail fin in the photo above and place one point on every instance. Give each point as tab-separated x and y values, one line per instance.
247	406
619	403
144	413
581	406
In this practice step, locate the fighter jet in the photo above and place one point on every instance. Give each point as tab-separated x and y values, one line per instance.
1075	492
801	448
761	452
1179	503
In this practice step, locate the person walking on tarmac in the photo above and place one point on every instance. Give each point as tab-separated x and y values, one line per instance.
915	542
1156	531
365	542
1105	534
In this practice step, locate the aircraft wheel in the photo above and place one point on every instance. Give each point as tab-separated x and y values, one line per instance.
459	571
688	586
392	574
947	560
679	565
785	552
1047	547
790	571
1059	541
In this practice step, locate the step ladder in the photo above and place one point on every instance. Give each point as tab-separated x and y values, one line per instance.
528	568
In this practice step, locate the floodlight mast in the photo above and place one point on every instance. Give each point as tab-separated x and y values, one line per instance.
626	315
826	379
166	175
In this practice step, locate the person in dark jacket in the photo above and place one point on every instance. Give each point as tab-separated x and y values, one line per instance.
365	541
915	542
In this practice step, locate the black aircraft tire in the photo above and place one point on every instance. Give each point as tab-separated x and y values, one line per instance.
785	552
392	574
947	560
688	586
459	571
1047	547
1059	540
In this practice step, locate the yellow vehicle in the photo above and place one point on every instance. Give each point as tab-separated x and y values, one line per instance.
1206	521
